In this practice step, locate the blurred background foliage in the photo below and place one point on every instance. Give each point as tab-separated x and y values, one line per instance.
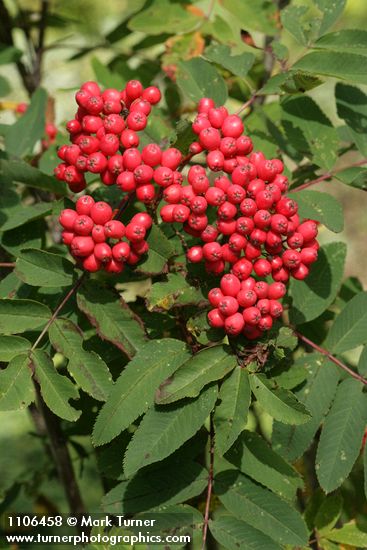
87	40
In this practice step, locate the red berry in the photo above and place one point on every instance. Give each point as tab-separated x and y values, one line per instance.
103	252
205	104
242	269
96	162
144	219
121	252
135	232
215	296
92	264
151	154
215	318
262	268
134	89
126	181
230	285
83	225
101	212
67	218
129	138
300	272
276	291
228	306
114	229
98	234
265	322
195	254
246	298
152	94
276	309
234	324
82	246
232	126
136	121
251	316
171	158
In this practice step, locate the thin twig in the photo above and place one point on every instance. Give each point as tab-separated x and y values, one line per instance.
7	264
61	455
41	41
58	309
248	103
331	357
210	482
328	175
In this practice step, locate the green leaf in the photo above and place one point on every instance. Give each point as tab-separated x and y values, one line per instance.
162	16
230	416
87	368
169	482
165	429
349	328
256	15
328	513
5	88
113	319
29	235
160	251
346	66
344	41
21	138
9	54
331	11
56	389
105	76
291	82
176	291
341	436
133	392
206	366
349	534
22	172
16	387
41	268
362	363
235	534
310	130
317	394
236	64
365	469
18	316
10	346
260	508
310	298
184	136
291	18
21	214
253	457
281	404
355	177
321	207
351	105
197	78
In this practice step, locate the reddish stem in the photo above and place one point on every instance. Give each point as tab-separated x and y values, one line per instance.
331	357
328	175
210	483
7	264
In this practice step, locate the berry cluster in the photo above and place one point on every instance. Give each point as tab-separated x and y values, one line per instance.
101	242
104	136
256	230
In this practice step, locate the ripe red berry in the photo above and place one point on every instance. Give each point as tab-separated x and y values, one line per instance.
232	126
276	291
144	219
135	232
215	296
246	298
215	318
152	94
103	252
195	254
230	285
121	252
228	306
234	324
114	229
92	264
67	218
251	316
101	212
82	246
83	225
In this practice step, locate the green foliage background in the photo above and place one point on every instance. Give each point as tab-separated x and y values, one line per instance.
288	467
